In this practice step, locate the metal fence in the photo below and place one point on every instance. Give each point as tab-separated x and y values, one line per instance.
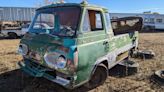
16	13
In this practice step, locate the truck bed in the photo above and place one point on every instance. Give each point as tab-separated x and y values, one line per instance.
126	25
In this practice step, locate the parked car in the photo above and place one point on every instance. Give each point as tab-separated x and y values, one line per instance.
16	33
12	33
77	48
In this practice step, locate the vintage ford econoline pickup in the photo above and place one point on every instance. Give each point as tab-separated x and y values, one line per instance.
77	46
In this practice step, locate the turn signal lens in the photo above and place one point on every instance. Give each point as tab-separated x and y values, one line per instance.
23	49
76	58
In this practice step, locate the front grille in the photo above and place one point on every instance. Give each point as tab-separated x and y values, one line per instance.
41	68
32	54
35	65
47	71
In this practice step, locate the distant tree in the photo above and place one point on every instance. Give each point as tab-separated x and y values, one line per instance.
155	12
147	12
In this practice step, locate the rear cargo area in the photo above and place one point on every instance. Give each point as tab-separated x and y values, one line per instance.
126	25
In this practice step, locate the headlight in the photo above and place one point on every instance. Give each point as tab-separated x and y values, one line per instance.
61	62
55	60
23	49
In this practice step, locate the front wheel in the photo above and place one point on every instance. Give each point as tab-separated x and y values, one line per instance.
99	77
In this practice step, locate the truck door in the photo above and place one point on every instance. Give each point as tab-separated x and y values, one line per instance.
92	42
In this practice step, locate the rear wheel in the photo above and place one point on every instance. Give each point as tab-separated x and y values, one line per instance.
99	77
13	35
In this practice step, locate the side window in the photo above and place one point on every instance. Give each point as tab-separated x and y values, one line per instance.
146	20
86	23
98	21
152	20
159	20
95	18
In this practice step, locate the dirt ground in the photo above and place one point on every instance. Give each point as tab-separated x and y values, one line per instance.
12	79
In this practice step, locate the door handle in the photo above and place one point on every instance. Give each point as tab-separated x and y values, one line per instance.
105	42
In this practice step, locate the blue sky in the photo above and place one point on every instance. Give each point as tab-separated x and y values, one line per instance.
119	6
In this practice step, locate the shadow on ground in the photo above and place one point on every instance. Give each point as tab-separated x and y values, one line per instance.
18	81
8	38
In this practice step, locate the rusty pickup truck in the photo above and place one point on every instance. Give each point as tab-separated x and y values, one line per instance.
78	46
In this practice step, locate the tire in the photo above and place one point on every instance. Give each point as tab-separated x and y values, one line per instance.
145	54
127	68
159	75
13	35
98	78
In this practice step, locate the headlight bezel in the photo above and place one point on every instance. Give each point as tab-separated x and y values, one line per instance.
52	61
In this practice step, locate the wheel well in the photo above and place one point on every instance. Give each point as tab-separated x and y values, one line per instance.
11	33
105	63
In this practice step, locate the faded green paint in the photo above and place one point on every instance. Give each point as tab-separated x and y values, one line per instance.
45	43
90	46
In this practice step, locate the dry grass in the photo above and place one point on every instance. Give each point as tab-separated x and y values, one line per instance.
8	55
141	82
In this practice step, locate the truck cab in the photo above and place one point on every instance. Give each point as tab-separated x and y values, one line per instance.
77	47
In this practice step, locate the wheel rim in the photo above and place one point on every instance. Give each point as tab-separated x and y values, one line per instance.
98	77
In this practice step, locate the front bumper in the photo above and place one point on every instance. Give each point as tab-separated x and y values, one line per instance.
37	70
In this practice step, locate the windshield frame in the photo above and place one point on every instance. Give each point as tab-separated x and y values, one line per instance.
39	11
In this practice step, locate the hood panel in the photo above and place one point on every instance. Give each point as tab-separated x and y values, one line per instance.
43	43
43	40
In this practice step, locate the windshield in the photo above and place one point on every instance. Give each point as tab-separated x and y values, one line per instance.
59	21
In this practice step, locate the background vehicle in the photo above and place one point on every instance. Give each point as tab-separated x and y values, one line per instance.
12	33
78	47
19	32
